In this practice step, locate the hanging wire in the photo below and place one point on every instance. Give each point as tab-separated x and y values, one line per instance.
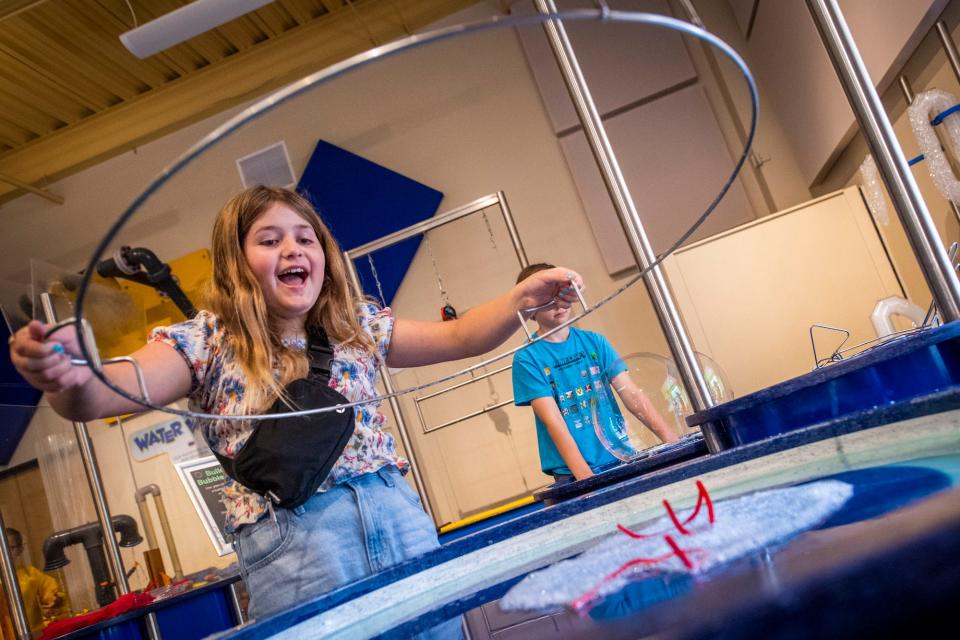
436	270
486	221
281	96
132	14
376	278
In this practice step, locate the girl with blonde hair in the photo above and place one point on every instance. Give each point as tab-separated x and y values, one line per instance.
277	275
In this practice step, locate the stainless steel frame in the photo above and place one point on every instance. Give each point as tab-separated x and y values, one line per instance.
11	587
92	469
886	150
417	400
666	309
498	199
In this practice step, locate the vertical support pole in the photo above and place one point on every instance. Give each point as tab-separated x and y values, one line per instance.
386	378
677	339
92	469
886	150
234	598
512	230
95	481
11	587
949	48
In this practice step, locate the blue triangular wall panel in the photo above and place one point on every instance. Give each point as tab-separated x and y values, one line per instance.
362	201
18	402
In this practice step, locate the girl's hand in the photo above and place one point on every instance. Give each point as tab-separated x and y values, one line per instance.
46	364
544	286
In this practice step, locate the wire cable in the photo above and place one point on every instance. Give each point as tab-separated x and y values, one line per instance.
281	96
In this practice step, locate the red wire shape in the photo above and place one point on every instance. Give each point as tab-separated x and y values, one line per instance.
703	498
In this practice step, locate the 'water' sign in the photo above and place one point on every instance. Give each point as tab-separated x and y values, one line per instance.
173	437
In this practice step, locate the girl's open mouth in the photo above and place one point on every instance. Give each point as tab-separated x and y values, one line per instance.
293	276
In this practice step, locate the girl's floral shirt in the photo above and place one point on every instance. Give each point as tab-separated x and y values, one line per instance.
218	387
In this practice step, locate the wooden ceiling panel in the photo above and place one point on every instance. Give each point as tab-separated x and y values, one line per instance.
298	11
13	136
71	95
25	116
65	61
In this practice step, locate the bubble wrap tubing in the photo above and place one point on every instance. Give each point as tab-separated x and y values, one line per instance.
742	525
921	111
873	191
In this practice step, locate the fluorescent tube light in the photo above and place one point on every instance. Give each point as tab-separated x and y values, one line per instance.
186	22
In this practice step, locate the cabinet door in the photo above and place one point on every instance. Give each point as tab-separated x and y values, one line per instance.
750	295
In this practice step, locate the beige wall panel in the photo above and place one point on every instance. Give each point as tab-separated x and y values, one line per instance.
789	59
771	146
194	548
674	161
750	295
743	12
633	62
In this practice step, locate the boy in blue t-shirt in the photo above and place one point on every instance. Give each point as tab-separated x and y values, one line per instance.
563	377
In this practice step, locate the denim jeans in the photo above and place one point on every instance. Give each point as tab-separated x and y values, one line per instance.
337	537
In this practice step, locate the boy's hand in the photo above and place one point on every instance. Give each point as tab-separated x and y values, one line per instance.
547	285
46	364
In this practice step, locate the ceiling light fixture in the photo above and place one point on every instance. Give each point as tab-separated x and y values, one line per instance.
186	22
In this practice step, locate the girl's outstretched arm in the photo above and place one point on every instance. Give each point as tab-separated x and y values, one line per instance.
486	326
75	393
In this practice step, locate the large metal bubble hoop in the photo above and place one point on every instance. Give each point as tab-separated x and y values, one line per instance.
279	97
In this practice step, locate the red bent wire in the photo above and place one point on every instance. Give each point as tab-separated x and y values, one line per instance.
703	498
675	550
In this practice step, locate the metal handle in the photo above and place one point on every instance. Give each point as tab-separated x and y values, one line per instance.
86	334
547	305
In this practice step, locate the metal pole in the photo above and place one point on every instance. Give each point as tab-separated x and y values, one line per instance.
596	135
886	150
235	602
949	48
512	230
87	454
906	89
11	587
908	95
96	483
397	411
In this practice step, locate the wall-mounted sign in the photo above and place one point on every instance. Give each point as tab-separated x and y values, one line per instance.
204	479
176	437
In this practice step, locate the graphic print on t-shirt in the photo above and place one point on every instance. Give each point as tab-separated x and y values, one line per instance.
580	399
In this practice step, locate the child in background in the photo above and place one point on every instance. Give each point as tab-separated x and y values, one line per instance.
42	594
277	273
563	377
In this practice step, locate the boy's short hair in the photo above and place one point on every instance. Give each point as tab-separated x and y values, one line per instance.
15	537
531	269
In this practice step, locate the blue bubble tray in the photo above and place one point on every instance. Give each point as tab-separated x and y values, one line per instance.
903	368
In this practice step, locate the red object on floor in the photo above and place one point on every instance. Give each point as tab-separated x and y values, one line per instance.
124	603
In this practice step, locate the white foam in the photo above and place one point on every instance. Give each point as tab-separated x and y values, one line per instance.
741	525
